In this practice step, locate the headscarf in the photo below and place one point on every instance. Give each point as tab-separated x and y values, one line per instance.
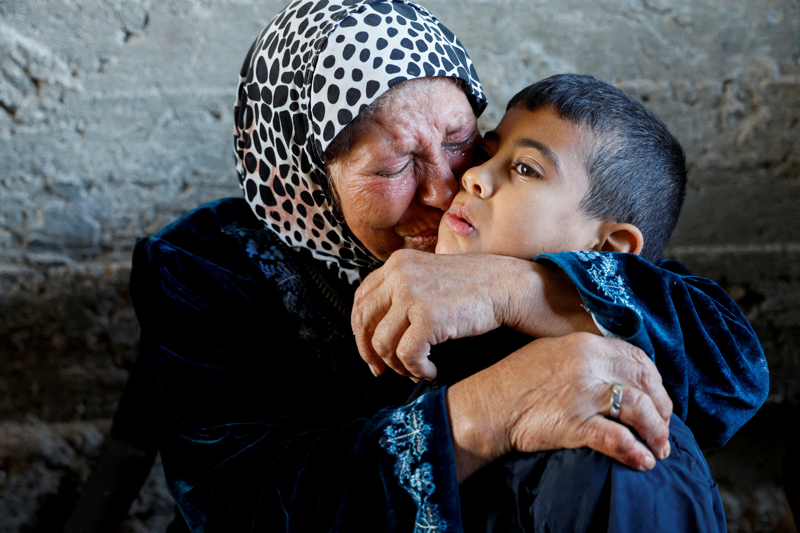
315	67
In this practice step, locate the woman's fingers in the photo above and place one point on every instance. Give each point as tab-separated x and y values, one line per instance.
413	350
638	411
429	293
373	300
364	318
363	337
645	405
380	320
385	339
617	441
629	365
647	379
376	364
402	347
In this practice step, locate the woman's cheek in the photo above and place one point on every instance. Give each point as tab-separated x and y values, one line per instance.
389	198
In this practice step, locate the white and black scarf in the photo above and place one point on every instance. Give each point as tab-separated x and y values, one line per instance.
315	67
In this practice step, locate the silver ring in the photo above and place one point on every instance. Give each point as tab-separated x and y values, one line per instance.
616	400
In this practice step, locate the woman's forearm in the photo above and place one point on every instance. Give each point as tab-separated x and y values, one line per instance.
418	299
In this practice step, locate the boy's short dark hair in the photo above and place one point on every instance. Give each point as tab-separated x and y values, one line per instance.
636	168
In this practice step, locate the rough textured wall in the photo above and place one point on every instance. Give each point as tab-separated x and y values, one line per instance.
115	119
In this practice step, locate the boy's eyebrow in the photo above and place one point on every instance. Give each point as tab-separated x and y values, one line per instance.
524	142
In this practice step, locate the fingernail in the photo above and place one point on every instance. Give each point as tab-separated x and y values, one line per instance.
649	462
373	370
416	380
666	451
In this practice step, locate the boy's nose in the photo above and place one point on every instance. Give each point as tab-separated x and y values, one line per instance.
477	181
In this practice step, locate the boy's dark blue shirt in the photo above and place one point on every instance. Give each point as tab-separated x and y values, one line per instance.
710	359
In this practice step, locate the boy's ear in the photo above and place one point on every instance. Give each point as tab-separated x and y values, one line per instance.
620	237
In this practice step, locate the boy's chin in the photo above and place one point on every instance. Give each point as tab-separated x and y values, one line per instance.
447	244
444	246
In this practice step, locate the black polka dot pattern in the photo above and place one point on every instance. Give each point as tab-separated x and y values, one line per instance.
311	71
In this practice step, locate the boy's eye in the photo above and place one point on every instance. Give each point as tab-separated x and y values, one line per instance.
482	155
526	170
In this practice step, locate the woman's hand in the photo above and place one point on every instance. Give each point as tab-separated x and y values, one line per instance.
420	299
555	393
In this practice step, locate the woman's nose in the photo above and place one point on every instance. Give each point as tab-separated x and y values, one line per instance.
439	187
476	180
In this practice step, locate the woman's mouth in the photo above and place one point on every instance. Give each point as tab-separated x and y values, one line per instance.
424	239
458	221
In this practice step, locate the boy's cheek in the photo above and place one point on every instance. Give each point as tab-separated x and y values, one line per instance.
440	246
446	241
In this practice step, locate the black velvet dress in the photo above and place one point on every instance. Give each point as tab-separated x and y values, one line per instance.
268	419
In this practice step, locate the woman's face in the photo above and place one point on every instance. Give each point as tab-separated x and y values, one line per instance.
403	167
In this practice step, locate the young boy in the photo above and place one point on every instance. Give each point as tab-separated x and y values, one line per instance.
576	165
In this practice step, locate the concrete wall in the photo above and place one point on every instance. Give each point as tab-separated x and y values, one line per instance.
115	118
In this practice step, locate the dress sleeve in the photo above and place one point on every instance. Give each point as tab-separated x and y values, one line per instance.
256	432
709	357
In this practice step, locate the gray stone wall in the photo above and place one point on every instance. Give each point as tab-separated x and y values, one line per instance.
115	118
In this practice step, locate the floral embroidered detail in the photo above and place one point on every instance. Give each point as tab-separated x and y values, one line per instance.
406	440
604	274
271	261
587	256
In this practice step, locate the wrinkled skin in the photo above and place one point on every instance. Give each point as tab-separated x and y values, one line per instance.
553	394
417	300
402	168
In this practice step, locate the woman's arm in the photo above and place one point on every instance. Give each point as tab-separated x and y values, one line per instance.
417	300
707	353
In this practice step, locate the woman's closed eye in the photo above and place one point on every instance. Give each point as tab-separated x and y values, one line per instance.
394	171
461	141
457	146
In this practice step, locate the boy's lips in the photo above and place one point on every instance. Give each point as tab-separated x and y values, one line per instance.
458	221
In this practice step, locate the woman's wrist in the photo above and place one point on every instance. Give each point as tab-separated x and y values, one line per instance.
543	302
479	435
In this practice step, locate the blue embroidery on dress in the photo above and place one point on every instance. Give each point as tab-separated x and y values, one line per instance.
587	256
406	439
277	271
604	274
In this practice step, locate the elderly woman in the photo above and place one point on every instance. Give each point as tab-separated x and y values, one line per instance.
353	121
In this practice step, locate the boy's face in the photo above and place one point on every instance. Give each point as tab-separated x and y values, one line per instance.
523	199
